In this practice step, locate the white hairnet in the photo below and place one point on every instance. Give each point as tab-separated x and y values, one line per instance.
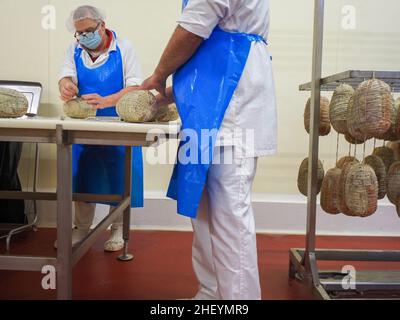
84	12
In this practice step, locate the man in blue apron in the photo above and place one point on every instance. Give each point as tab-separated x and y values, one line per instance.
100	68
224	89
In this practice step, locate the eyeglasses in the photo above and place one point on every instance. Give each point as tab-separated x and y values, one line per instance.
87	34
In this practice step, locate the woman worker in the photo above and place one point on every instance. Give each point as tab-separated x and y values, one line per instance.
100	68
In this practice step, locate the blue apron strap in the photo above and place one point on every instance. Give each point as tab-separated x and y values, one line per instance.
184	4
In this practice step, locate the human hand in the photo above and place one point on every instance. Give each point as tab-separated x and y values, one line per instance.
155	82
97	101
68	89
164	101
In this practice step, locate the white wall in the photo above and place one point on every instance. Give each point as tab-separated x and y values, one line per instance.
31	53
274	214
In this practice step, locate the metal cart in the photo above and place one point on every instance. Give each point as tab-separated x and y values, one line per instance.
33	92
303	262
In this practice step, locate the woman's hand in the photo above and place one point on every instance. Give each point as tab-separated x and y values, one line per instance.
97	101
68	89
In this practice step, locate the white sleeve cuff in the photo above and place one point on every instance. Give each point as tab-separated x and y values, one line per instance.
68	75
196	29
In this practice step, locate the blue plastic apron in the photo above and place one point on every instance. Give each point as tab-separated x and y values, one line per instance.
203	89
100	169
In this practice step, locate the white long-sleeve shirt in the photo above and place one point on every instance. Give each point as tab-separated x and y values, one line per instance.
131	66
253	105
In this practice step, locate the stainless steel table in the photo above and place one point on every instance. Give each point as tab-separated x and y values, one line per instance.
64	133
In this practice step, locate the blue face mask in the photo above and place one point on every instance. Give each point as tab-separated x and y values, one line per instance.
91	40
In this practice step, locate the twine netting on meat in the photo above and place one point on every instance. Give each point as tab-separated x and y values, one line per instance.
137	106
325	124
393	183
372	108
353	125
338	107
379	168
386	154
78	109
342	185
361	190
302	179
350	139
397	126
330	191
343	161
395	146
166	113
391	134
13	104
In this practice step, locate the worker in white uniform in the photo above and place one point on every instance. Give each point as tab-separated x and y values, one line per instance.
222	79
100	68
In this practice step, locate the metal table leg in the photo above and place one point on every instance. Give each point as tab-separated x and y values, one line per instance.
127	212
309	261
35	177
64	217
20	228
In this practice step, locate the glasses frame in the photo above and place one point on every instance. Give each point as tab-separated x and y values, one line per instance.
78	35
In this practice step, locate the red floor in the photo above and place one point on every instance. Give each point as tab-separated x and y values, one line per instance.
161	269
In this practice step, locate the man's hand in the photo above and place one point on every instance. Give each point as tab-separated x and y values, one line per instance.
165	100
155	82
68	89
97	101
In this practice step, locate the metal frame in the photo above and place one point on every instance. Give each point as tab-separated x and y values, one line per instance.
354	78
14	229
303	262
67	256
32	91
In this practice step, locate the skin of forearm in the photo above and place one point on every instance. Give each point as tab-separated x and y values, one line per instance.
114	98
181	47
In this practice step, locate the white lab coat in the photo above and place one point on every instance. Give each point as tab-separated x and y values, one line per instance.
131	65
253	106
224	247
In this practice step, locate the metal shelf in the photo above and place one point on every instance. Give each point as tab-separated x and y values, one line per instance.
303	263
354	78
377	281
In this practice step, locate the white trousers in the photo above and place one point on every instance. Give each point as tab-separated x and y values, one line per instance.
84	215
224	251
